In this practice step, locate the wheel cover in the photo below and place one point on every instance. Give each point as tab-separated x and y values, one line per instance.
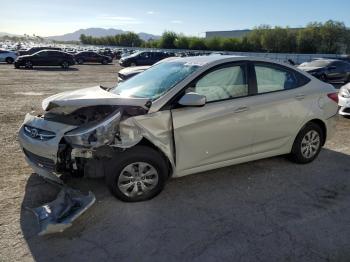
28	64
137	179
310	144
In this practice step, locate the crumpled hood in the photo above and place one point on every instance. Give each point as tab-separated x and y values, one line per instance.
309	68
92	96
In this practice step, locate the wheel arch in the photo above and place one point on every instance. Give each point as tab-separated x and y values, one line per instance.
322	125
145	142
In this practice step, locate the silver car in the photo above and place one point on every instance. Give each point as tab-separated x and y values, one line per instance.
182	116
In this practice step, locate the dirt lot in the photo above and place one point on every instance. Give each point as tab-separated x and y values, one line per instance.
268	210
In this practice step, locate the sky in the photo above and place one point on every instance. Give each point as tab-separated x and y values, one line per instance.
191	17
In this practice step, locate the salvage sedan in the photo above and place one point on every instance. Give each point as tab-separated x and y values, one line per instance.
179	117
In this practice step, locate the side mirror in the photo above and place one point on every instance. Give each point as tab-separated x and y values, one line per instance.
192	99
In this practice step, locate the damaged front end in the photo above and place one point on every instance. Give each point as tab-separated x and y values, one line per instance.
79	135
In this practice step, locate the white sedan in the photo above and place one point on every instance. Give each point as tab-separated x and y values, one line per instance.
179	117
344	100
7	56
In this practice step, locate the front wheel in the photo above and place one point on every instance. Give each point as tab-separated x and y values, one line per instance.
137	174
104	62
307	144
28	65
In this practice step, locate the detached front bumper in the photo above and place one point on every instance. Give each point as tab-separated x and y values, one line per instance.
41	154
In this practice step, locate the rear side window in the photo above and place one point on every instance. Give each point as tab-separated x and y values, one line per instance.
271	78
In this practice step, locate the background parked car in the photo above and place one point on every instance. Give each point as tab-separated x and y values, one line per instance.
34	50
92	57
328	70
143	58
130	72
7	56
45	58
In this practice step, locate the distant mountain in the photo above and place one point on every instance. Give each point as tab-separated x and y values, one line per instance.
98	32
8	34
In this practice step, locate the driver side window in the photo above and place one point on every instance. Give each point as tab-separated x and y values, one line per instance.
221	84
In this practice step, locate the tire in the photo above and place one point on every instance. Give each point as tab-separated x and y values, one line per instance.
124	177
65	65
28	64
17	66
9	60
323	78
132	64
307	144
104	62
80	61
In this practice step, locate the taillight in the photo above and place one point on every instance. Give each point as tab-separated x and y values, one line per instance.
334	97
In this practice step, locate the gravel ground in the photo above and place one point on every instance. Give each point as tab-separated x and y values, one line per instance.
268	210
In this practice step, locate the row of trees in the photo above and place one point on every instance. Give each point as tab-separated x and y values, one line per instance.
329	37
128	39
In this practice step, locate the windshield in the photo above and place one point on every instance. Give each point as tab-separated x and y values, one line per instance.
317	63
155	81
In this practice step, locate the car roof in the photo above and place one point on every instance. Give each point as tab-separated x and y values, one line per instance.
204	59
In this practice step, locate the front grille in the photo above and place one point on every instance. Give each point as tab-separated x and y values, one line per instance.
42	162
38	133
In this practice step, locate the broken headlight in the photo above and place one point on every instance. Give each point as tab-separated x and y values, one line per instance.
95	135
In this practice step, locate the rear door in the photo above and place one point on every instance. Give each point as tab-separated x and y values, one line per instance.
40	59
144	58
2	55
281	104
336	72
220	131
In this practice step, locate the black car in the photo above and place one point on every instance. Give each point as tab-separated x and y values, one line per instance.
130	72
92	57
328	70
45	58
34	50
143	58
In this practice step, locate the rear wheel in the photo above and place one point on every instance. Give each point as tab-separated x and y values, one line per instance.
80	61
104	62
137	174
323	78
307	144
9	60
65	65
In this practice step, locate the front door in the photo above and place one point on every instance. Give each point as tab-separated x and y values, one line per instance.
221	130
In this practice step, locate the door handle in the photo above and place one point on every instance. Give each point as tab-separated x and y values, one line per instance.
300	96
241	109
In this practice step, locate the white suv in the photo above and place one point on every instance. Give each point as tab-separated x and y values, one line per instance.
7	56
